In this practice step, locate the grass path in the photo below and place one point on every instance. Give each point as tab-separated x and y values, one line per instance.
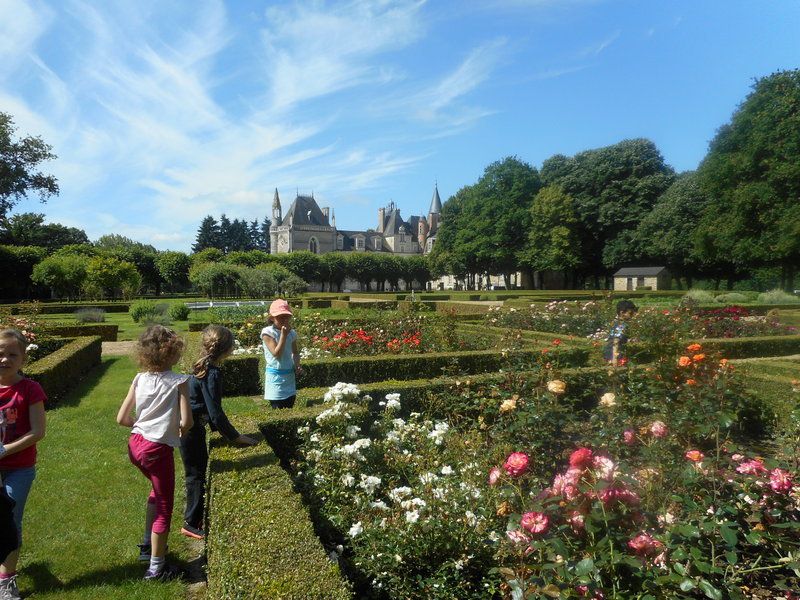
86	510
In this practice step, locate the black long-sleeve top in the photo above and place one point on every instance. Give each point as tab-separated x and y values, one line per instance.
205	398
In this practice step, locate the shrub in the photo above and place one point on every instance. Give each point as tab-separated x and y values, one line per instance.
107	331
90	315
179	312
144	311
242	375
700	296
732	298
778	296
60	371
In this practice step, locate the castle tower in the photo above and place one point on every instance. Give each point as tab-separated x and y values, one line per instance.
381	219
435	210
422	233
276	222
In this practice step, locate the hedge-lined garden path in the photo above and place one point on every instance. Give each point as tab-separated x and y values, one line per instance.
86	509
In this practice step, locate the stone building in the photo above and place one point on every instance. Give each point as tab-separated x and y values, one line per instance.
633	278
306	226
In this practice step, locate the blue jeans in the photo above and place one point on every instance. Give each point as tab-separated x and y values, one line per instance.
18	484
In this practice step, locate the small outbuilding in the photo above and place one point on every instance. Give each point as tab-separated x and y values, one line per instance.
636	278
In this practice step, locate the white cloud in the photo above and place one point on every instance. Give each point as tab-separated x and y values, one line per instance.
596	49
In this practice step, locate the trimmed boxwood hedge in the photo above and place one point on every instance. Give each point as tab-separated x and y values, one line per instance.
60	371
66	308
243	375
107	331
773	345
261	542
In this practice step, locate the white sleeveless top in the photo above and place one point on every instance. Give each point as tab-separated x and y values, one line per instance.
158	413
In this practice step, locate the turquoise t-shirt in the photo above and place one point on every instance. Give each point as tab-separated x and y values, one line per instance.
279	379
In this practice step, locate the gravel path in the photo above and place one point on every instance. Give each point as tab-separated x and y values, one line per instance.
118	348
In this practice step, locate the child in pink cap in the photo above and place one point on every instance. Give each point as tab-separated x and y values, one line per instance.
282	356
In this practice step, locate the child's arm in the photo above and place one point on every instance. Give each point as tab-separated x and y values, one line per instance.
187	421
124	417
37	420
296	357
212	396
276	348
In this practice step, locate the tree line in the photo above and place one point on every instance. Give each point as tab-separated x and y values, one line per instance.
584	216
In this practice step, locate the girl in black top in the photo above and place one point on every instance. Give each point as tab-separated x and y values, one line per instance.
205	398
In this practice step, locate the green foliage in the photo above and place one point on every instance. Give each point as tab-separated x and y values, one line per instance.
257	283
732	298
108	332
179	312
90	315
752	172
613	189
778	297
553	243
215	279
65	275
700	296
173	268
16	264
60	371
19	160
29	229
110	277
247	559
243	375
146	311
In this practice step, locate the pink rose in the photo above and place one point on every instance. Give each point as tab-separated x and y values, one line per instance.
737	457
581	458
535	522
517	536
516	464
494	476
694	455
605	468
577	521
751	467
645	544
629	437
780	481
658	429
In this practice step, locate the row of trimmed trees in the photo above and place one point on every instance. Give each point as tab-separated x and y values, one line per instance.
622	205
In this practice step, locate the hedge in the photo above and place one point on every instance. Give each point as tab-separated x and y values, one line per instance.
62	370
462	307
107	331
746	347
261	542
66	308
243	375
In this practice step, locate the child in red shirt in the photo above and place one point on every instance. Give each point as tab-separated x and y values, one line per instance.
22	424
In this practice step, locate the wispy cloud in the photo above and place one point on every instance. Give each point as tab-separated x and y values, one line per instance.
596	49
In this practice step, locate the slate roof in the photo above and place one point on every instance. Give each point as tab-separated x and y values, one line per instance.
436	202
305	211
392	223
639	272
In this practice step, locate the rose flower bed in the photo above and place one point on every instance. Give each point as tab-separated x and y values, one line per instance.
638	485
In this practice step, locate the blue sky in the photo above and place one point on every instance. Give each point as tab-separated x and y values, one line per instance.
164	112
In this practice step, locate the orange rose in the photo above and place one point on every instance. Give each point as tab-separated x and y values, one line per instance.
694	348
723	363
691	382
684	361
698	357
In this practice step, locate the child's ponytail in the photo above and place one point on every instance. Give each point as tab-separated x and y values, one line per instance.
218	341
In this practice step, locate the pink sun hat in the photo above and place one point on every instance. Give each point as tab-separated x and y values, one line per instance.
279	307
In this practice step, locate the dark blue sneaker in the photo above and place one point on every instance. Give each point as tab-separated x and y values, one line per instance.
145	550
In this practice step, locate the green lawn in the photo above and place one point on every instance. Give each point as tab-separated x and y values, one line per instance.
86	510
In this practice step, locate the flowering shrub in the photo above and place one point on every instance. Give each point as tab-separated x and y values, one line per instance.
407	498
736	321
565	317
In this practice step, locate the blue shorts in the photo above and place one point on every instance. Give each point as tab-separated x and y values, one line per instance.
18	484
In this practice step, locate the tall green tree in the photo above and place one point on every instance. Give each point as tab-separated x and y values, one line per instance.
64	274
613	188
553	239
485	221
173	268
752	175
208	235
143	256
19	161
29	229
16	265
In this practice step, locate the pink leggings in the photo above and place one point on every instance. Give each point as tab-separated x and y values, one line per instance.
157	463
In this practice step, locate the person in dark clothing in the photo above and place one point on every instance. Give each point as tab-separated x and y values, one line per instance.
9	537
205	398
614	350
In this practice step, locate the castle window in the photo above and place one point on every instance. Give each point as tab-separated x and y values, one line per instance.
376	243
313	245
359	243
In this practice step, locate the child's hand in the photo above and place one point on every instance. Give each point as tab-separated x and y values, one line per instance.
298	370
185	427
246	440
284	331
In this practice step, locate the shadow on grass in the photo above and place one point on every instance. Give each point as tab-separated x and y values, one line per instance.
241	463
89	382
45	581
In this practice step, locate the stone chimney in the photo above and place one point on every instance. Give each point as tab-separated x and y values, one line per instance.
381	218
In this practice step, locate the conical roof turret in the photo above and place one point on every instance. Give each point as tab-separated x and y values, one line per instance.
276	202
436	202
